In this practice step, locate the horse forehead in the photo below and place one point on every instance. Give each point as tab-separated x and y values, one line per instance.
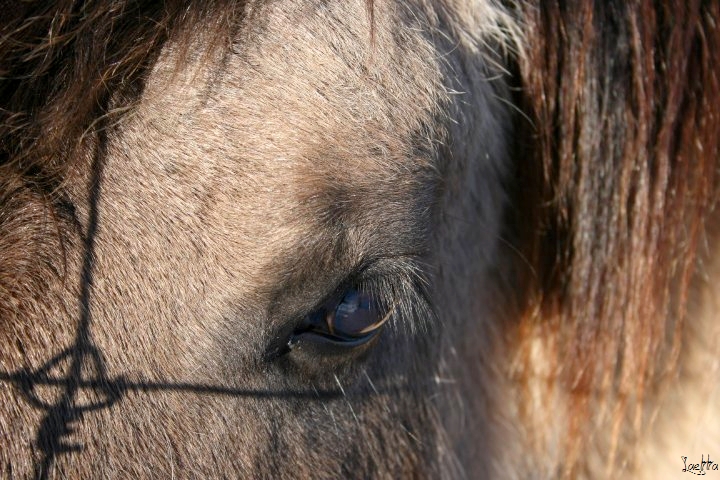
275	139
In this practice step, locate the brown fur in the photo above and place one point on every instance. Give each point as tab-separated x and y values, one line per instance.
531	185
624	98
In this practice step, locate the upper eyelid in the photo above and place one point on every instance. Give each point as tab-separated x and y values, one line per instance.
373	276
388	277
399	284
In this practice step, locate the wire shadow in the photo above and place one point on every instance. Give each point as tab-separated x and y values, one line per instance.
87	370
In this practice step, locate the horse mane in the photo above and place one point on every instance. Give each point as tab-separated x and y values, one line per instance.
63	67
619	182
61	63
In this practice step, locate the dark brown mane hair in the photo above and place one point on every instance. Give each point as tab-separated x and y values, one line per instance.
60	63
619	177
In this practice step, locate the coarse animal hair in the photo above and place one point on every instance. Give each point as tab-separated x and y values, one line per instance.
527	190
623	97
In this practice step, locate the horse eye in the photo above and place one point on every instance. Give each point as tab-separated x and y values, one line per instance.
353	320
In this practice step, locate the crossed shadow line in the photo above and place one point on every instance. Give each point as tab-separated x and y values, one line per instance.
112	389
83	356
60	417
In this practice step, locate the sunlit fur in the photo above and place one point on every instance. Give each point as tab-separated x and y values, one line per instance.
529	186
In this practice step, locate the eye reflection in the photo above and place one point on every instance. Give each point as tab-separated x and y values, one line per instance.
355	316
351	321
